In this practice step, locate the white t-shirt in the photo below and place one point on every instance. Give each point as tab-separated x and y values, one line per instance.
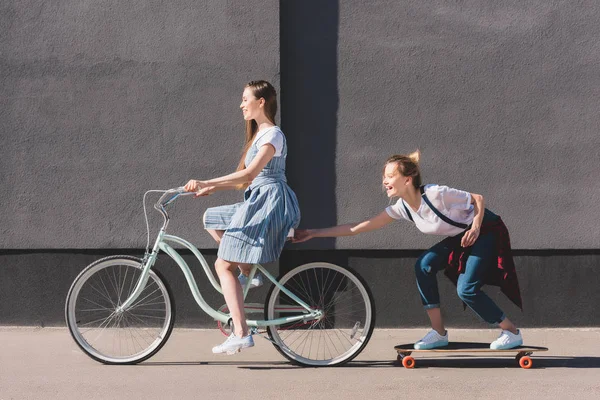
453	203
273	136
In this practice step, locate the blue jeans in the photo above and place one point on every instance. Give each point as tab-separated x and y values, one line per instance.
483	256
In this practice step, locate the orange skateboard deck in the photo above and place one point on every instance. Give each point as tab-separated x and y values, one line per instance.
522	357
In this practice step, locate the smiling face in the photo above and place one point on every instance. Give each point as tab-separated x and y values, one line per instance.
251	106
394	182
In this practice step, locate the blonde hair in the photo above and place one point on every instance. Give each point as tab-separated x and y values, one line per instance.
408	165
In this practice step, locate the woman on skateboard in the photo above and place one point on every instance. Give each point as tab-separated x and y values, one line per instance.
475	252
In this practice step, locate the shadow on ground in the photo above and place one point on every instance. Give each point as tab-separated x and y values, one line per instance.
442	362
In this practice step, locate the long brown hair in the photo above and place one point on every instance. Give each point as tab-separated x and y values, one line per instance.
260	89
408	165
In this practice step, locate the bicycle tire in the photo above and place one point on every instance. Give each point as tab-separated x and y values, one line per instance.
151	327
334	328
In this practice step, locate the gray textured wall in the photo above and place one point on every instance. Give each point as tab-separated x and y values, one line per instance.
33	292
102	100
502	97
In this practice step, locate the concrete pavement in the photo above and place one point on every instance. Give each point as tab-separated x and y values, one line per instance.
45	363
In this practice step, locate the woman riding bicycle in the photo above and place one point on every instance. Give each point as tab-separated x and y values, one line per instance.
255	230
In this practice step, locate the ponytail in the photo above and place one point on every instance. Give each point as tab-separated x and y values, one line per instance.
415	156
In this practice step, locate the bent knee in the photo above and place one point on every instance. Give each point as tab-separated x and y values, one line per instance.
424	265
222	266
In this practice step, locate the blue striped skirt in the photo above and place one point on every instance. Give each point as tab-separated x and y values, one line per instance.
255	229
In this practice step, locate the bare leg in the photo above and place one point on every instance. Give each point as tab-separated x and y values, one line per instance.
217	235
507	325
437	323
232	291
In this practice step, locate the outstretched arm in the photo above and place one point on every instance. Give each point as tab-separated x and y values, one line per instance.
246	175
371	224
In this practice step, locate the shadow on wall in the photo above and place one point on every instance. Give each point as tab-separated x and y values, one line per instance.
309	106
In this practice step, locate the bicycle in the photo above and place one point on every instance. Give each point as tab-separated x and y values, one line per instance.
121	311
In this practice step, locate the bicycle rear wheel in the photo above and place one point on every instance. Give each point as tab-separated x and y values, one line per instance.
348	315
112	337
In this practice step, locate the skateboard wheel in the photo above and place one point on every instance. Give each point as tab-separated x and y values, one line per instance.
408	362
525	362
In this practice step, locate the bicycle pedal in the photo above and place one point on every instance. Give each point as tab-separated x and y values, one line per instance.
254	331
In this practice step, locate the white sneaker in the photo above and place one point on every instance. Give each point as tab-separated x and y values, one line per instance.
233	344
432	340
256	281
507	340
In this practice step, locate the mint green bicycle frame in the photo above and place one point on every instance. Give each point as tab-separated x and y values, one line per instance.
162	243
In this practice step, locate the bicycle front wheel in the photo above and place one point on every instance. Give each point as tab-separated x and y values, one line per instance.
114	337
346	324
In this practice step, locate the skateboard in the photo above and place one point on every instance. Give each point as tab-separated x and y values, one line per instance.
522	357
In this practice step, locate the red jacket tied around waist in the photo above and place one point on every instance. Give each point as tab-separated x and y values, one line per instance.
503	275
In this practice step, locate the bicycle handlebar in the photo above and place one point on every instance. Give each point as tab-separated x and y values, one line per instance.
170	195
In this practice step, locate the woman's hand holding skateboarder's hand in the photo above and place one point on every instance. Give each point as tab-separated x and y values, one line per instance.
302	235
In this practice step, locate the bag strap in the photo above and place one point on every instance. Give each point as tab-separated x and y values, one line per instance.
408	212
439	214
